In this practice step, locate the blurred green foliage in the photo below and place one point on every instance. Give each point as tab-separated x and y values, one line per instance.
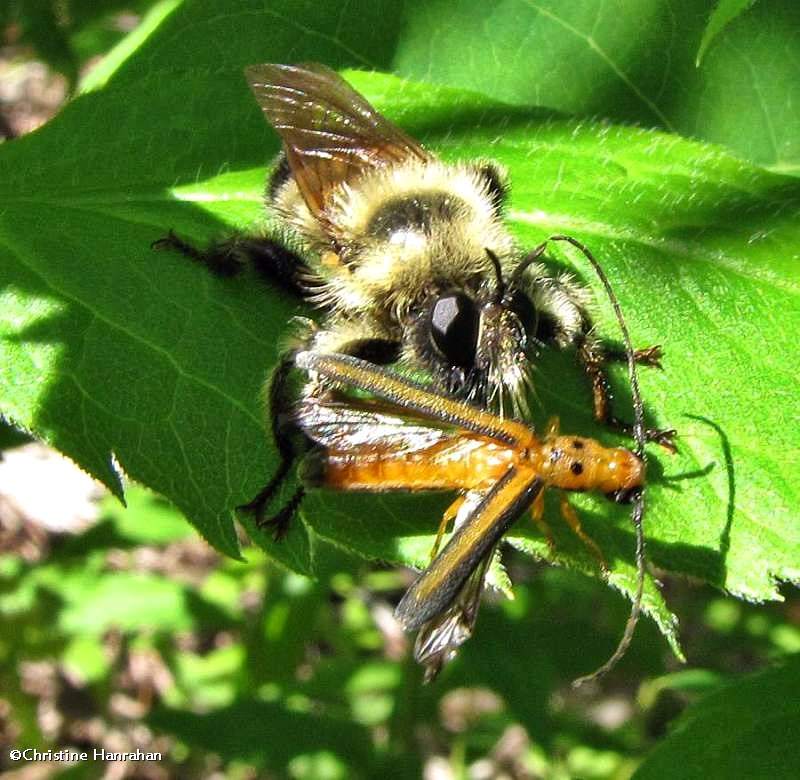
67	34
248	667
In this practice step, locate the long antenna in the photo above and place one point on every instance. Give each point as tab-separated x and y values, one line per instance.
637	511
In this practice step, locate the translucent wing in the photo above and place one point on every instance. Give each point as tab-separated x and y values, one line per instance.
350	428
330	133
439	638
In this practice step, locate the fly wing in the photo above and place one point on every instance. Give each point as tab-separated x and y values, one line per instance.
330	133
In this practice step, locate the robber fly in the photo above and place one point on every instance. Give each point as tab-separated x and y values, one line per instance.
407	257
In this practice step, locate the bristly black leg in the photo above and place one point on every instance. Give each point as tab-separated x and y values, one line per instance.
274	263
291	443
381	352
594	359
257	506
648	356
219	257
282	520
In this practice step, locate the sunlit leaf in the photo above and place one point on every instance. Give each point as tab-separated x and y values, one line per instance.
115	353
625	61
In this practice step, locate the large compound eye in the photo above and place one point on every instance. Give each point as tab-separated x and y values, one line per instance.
523	307
454	328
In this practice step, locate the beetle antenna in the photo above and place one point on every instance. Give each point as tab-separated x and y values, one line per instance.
637	511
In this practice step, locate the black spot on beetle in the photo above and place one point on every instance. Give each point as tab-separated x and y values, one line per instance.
576	468
577	444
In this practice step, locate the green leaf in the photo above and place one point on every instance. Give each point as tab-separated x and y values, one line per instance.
702	250
86	657
115	58
748	88
209	680
747	729
558	626
91	600
725	12
93	334
113	351
632	62
628	62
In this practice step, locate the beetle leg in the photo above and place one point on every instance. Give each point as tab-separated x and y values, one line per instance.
449	515
573	521
537	512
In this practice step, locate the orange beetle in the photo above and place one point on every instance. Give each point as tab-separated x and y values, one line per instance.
414	439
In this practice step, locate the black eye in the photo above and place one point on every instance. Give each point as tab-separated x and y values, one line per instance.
522	306
454	328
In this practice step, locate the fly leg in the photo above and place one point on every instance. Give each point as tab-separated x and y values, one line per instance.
552	427
290	442
228	257
594	360
281	521
648	356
